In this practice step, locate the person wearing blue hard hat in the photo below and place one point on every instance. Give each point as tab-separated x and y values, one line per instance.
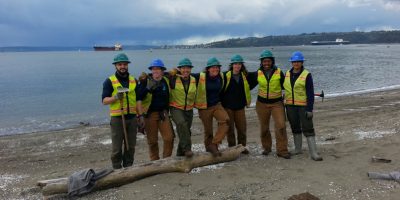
153	106
122	111
299	102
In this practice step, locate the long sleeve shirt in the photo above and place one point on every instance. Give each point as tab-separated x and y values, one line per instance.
253	81
108	88
213	88
234	97
160	96
309	88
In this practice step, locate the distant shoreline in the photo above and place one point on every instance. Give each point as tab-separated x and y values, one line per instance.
355	37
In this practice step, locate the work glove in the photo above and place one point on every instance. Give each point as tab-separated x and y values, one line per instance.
143	77
173	72
141	123
151	84
309	115
119	96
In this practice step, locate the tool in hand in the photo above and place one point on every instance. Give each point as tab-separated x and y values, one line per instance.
121	101
322	95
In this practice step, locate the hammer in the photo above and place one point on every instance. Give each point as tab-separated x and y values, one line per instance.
322	95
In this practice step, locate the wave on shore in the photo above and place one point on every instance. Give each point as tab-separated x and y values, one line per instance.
380	89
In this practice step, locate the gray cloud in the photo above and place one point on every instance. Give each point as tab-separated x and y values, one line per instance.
85	22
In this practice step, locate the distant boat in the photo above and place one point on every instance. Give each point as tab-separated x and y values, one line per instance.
338	41
116	47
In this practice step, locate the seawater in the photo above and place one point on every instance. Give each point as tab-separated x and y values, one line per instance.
43	91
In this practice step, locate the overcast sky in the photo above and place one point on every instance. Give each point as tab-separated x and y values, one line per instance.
105	22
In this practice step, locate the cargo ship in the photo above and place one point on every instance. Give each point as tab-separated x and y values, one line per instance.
338	41
116	47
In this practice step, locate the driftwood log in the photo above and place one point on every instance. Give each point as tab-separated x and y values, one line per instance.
131	174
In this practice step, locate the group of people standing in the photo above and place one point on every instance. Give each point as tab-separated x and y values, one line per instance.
151	100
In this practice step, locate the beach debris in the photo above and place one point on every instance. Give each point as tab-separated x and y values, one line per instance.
375	159
137	172
84	123
395	175
335	156
329	138
303	196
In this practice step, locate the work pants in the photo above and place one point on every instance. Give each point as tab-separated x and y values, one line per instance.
299	123
264	112
183	121
237	118
154	122
118	156
206	116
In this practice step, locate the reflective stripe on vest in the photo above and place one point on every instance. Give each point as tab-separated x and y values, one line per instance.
201	95
147	100
269	89
179	98
115	107
297	95
246	86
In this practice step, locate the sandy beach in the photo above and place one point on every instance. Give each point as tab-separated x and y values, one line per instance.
350	131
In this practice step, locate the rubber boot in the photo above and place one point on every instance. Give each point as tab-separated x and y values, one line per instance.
312	148
298	141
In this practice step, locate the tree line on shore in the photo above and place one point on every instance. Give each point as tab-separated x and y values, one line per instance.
355	37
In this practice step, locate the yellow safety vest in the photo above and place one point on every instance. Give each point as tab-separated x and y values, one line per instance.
269	89
179	98
201	95
297	95
246	86
115	107
147	100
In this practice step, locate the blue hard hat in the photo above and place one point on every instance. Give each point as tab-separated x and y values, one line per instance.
157	63
297	56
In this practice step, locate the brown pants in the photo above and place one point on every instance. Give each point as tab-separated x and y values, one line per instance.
237	118
153	124
222	118
264	112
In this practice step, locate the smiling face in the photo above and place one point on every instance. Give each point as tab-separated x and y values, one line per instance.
297	65
122	68
236	67
213	70
157	73
267	63
185	71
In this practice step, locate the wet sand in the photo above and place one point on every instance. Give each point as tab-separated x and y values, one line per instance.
350	131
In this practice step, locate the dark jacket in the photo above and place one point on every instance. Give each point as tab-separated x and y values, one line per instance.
160	96
309	88
234	97
253	76
214	88
108	89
